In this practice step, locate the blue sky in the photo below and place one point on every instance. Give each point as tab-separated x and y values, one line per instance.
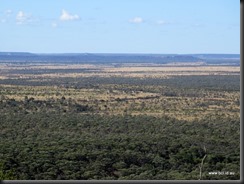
120	26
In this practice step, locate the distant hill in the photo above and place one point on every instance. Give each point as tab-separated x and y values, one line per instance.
217	56
16	54
106	58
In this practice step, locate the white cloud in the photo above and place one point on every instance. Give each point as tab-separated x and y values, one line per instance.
23	18
136	20
20	17
65	16
6	16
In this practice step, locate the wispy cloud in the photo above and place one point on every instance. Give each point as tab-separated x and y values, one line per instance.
8	12
6	16
66	16
136	20
161	22
23	18
3	20
197	25
54	25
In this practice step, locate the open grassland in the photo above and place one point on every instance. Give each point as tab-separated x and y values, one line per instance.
112	101
89	70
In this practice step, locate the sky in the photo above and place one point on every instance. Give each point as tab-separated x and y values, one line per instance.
120	26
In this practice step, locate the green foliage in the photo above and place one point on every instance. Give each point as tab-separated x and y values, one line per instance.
83	146
6	174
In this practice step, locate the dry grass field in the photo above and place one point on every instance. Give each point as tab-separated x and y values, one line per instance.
158	71
118	101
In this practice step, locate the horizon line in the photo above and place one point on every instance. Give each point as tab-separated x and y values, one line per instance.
132	53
